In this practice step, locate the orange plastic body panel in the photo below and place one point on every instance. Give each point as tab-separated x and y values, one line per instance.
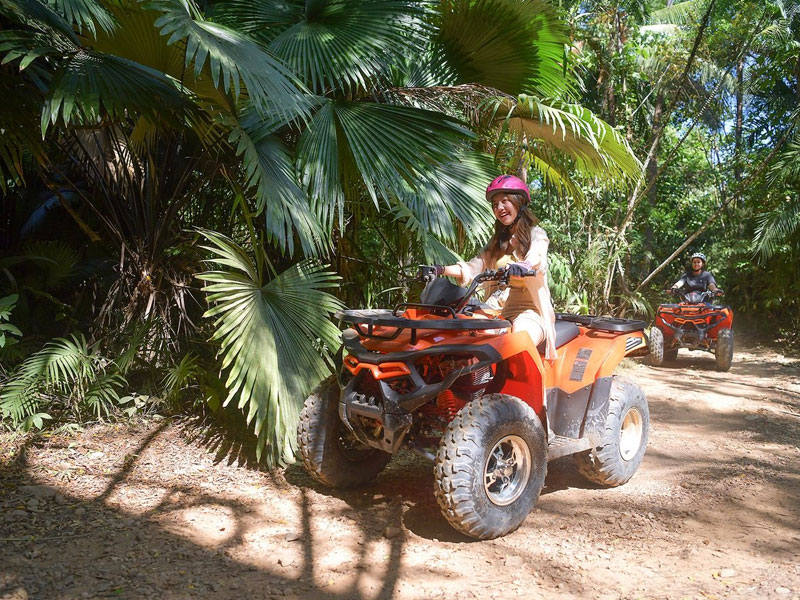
526	369
382	371
686	313
579	363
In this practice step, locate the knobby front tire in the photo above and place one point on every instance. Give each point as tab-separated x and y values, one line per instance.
490	466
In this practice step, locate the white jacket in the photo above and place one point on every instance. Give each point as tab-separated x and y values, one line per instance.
537	288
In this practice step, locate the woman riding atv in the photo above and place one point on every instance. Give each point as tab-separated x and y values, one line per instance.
518	245
696	278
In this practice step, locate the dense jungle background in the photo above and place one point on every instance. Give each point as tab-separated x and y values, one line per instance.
191	189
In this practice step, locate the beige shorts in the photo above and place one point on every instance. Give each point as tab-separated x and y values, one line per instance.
533	323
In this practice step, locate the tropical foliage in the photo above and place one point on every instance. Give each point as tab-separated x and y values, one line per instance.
193	189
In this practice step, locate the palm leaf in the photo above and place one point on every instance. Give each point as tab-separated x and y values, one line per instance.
348	44
385	149
592	145
336	44
269	171
103	393
21	139
18	400
454	191
232	58
774	228
273	338
84	14
512	46
553	175
680	13
37	14
61	364
91	85
433	249
57	262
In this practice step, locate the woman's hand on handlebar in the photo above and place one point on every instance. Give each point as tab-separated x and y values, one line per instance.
427	273
520	270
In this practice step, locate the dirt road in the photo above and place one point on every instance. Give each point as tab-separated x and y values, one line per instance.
143	512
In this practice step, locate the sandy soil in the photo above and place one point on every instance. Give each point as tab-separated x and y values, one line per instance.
146	512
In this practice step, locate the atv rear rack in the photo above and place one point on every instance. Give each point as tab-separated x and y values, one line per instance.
612	324
382	317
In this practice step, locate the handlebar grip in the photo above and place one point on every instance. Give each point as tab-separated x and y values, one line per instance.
426	273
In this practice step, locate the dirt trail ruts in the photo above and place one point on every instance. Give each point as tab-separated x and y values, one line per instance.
142	512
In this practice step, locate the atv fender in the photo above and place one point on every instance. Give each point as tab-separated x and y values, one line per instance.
525	369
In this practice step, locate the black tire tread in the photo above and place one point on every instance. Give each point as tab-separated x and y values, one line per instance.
323	459
656	347
603	465
723	353
458	451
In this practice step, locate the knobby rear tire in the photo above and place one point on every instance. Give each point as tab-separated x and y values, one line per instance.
465	454
656	346
615	460
329	450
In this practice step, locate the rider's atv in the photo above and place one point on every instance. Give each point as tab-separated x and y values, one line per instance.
448	376
696	324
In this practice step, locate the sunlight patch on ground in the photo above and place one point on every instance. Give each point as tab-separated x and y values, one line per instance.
138	498
207	525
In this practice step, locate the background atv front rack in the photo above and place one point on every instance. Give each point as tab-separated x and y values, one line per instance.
364	321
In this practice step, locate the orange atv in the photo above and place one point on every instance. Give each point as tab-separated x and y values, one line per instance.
447	378
693	323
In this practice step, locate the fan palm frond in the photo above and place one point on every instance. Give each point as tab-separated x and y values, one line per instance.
512	46
381	147
21	140
90	85
39	15
56	262
232	58
454	191
270	173
339	44
274	338
85	14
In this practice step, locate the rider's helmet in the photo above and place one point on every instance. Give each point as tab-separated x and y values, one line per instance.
508	183
699	255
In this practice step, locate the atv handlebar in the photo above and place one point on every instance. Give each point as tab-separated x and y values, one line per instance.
707	294
499	275
426	273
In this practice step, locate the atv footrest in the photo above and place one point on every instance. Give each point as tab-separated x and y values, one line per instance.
563	446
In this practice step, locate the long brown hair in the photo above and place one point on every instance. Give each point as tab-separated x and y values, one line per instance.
500	243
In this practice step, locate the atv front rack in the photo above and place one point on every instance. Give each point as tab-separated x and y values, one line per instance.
612	324
364	321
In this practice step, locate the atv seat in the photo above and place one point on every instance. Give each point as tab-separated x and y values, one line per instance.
566	331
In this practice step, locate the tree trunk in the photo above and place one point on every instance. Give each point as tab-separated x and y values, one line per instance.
751	177
737	149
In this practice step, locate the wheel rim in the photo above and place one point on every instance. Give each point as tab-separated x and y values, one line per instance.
630	434
507	470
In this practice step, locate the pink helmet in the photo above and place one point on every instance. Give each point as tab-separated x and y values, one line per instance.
508	183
